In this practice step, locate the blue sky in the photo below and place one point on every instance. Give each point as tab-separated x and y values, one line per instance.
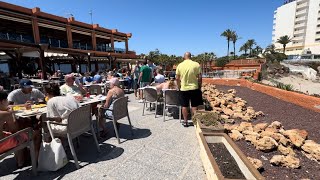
172	26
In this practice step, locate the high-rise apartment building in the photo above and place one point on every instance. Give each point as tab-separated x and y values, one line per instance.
299	19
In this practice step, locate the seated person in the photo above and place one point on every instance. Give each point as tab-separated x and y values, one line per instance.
97	78
129	79
114	93
26	94
87	79
159	78
109	75
59	108
170	84
71	88
8	126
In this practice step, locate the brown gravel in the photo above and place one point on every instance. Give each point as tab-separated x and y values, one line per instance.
291	116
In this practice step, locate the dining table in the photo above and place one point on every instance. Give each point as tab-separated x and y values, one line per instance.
42	108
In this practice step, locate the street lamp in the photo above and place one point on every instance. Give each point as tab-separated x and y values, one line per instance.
89	65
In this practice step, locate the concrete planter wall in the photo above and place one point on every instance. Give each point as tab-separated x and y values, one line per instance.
211	166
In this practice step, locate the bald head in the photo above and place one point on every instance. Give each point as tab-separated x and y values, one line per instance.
187	55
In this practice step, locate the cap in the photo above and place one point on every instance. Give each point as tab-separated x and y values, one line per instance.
26	83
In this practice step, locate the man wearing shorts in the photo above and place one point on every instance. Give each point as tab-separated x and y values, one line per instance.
144	78
189	80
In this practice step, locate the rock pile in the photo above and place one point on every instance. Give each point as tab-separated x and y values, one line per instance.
274	137
227	105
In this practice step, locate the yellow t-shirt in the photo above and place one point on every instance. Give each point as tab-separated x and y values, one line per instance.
188	71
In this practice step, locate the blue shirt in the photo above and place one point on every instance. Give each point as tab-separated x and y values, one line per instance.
87	79
97	78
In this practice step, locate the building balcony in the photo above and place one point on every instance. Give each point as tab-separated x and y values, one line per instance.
301	12
300	25
301	19
119	50
298	38
82	46
302	1
54	42
302	5
302	31
17	37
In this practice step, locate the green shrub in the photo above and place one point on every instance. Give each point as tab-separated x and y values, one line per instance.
221	62
287	87
207	119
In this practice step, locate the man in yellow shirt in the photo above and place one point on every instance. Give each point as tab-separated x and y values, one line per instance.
189	81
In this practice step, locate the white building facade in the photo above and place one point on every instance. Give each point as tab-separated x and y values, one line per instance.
300	20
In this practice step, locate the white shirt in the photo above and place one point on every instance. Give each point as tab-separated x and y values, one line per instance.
61	106
18	97
159	78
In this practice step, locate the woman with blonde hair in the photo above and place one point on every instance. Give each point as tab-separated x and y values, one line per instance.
170	84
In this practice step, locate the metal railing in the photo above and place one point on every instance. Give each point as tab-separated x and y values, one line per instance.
17	37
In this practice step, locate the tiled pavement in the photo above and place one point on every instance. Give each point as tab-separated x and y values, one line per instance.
157	150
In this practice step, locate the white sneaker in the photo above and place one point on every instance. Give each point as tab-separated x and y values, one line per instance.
140	101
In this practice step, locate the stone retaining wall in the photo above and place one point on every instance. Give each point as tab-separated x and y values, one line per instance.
309	102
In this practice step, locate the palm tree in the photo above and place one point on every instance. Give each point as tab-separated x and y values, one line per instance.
258	50
227	34
271	49
244	47
234	39
251	42
284	40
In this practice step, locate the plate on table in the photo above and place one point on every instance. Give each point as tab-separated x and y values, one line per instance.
31	112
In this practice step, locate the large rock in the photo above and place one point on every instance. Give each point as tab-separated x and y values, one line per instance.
266	144
235	135
275	136
233	91
227	111
245	126
256	163
275	125
259	113
237	115
285	161
286	150
312	150
246	118
225	116
296	136
251	136
229	127
260	127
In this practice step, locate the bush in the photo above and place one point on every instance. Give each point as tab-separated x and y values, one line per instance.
287	87
221	62
207	119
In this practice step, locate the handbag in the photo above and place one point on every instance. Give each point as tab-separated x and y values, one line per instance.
52	155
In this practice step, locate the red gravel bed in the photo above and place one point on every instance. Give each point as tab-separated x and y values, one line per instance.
292	117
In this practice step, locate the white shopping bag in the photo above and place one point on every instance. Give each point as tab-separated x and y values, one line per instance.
52	156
